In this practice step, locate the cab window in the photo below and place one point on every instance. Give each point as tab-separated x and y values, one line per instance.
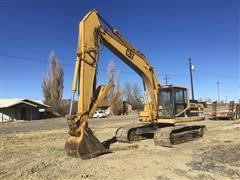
180	100
180	96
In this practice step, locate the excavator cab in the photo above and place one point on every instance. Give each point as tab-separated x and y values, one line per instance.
172	100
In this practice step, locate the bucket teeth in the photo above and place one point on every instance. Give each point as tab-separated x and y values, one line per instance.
85	147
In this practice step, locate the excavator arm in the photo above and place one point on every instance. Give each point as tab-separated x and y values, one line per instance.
92	34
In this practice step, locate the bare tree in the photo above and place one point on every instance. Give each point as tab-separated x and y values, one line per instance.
127	92
114	96
110	70
132	94
136	96
52	84
110	77
117	104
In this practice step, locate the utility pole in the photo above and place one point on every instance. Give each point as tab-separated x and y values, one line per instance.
191	69
218	92
166	79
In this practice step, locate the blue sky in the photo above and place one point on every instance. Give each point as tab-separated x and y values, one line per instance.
167	32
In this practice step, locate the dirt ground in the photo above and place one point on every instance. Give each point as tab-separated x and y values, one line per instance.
40	155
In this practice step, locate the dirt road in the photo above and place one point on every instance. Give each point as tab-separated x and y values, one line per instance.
40	154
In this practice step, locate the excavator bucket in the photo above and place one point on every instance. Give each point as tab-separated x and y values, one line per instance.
85	147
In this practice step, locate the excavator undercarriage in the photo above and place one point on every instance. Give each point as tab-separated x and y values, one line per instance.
164	135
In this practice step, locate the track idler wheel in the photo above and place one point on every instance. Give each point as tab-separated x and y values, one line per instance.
85	146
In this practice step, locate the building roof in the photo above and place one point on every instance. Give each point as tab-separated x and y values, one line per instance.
5	103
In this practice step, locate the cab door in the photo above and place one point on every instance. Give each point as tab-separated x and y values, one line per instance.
180	99
166	103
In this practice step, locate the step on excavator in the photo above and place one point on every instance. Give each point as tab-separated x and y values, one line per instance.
165	106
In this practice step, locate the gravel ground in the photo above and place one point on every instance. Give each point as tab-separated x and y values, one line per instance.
40	154
220	159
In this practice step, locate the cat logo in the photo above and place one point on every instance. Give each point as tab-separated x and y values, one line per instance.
130	53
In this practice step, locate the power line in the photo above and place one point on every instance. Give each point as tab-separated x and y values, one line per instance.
63	64
203	82
44	62
213	86
216	74
173	75
33	60
104	70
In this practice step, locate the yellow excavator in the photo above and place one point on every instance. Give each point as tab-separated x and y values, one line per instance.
165	106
